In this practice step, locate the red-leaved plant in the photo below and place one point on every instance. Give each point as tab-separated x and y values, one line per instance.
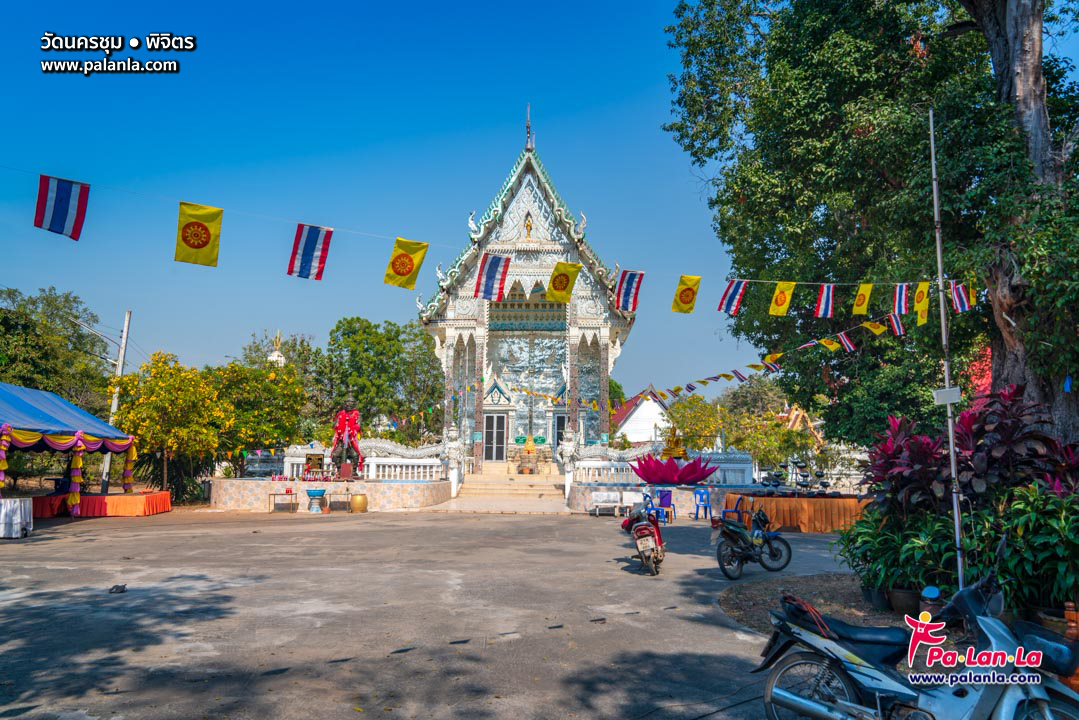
999	445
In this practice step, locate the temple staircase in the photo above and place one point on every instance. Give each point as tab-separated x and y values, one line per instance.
497	480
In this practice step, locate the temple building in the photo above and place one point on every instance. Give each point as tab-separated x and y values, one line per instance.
526	367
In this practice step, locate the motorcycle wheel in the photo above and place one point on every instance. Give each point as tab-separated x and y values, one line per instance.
810	676
1061	708
778	557
730	564
650	563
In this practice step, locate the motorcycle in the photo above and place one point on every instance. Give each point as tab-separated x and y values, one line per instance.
740	545
850	672
643	527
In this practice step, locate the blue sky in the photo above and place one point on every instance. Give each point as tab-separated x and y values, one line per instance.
390	119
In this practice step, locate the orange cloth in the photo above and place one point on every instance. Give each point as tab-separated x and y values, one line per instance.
808	515
118	505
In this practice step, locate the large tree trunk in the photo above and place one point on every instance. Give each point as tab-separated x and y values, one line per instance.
1013	32
1010	363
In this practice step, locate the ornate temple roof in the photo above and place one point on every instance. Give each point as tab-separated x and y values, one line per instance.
527	162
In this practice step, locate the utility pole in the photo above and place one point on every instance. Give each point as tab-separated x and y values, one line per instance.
115	399
949	395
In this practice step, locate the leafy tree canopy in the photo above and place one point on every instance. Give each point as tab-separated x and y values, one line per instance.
43	347
265	403
696	420
815	114
757	396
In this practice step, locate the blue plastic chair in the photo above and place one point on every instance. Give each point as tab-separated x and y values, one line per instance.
666	498
736	511
651	509
702	499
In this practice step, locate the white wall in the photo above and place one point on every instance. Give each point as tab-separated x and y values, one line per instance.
640	425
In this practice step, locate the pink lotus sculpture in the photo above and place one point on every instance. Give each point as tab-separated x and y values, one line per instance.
655	472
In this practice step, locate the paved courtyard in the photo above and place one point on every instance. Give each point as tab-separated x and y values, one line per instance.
410	615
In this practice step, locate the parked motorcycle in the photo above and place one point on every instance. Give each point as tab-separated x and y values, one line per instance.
644	529
849	672
739	545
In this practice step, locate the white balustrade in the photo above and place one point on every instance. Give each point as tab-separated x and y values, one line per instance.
604	471
378	469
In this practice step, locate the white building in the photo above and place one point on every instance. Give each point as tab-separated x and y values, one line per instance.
641	419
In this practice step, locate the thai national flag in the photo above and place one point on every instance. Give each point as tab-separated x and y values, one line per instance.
845	342
61	206
960	298
309	251
741	378
811	343
825	301
732	297
690	387
902	298
628	287
897	324
772	367
491	281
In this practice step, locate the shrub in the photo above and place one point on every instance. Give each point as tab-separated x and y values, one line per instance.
1016	480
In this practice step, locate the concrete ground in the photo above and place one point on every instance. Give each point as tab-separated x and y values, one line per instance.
414	615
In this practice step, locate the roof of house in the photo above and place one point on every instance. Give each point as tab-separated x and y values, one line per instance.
627	408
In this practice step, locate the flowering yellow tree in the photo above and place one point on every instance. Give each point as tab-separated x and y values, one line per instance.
171	409
697	420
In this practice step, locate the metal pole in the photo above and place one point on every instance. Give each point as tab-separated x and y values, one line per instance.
107	465
947	354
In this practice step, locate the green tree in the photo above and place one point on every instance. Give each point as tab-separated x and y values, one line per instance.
265	403
172	410
364	366
386	370
43	347
816	114
616	393
757	396
422	384
765	438
696	420
310	364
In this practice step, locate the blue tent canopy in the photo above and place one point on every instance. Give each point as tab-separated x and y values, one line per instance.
48	413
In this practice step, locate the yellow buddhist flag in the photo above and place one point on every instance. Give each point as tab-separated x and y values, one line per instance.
861	301
771	358
874	327
781	298
198	234
661	394
405	263
685	297
972	288
830	344
921	302
726	376
563	277
755	366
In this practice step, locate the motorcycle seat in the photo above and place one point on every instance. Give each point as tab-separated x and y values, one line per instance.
844	631
868	635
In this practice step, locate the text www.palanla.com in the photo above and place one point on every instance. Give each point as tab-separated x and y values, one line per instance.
107	65
974	678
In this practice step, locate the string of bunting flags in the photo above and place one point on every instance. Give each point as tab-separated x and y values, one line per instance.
62	207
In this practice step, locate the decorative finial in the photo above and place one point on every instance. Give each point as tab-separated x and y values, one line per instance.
529	141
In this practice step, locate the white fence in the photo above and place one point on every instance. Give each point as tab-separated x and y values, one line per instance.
404	469
604	471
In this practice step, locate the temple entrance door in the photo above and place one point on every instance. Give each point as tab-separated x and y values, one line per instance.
494	437
559	430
